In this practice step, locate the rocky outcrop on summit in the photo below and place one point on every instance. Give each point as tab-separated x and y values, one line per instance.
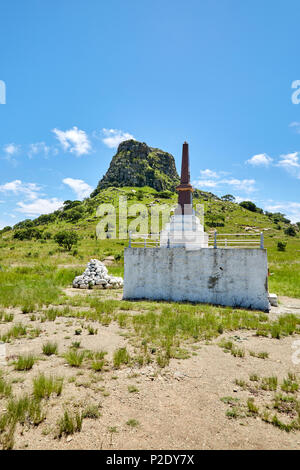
136	164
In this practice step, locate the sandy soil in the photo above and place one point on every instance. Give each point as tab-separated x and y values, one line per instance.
178	407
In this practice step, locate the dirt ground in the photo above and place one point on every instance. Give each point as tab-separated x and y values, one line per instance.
178	407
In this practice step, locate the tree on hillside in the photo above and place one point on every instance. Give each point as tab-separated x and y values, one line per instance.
250	206
70	204
66	239
228	197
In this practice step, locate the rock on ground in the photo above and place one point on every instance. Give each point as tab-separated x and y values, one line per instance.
96	274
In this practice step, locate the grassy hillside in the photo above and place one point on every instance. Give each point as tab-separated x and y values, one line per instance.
38	267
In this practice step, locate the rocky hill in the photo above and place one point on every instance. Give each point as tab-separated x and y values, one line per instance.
136	164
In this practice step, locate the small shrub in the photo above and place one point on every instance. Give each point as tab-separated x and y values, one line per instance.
252	408
69	424
49	348
91	411
44	386
28	308
121	356
233	413
290	384
74	358
290	231
97	365
5	388
269	383
133	423
254	378
25	362
281	246
25	409
91	330
16	331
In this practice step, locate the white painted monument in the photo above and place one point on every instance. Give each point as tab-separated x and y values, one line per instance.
185	268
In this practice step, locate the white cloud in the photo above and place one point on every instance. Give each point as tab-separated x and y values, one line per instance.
208	174
296	126
239	199
290	162
38	148
113	137
29	190
74	141
245	185
206	183
11	149
80	187
290	209
39	206
261	159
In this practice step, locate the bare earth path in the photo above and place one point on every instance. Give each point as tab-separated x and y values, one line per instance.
178	407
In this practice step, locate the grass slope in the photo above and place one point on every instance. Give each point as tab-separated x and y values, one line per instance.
33	271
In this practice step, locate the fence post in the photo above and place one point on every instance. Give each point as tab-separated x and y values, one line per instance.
226	242
262	240
168	243
144	242
215	240
129	239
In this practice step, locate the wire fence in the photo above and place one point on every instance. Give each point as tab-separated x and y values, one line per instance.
215	240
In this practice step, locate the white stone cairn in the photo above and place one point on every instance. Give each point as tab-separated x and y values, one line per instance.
96	274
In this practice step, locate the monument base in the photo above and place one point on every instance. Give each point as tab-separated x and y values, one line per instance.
223	276
184	231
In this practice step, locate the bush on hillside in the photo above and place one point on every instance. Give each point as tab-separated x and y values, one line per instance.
66	239
228	197
27	234
281	246
250	206
290	231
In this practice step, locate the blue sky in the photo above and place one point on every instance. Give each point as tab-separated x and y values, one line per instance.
81	76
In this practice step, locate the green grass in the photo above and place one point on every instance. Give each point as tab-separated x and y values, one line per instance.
91	412
16	331
5	387
133	423
290	384
50	348
121	356
252	408
38	282
6	317
269	383
74	358
260	355
97	365
25	362
44	387
69	423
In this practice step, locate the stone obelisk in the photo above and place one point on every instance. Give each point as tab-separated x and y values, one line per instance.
185	189
184	228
